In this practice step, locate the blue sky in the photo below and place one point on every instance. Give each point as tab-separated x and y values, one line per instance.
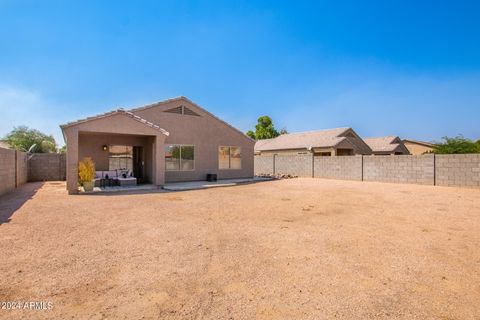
407	68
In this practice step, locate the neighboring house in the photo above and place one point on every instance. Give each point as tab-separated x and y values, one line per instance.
172	140
418	147
4	144
390	145
330	142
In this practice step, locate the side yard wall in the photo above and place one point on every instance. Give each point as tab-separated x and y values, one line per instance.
443	170
22	168
13	169
399	169
47	167
299	164
343	168
458	170
264	165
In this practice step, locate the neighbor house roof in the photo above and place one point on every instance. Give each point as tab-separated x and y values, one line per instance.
423	143
304	140
386	144
115	112
4	144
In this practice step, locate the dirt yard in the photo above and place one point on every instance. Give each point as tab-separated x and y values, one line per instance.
290	249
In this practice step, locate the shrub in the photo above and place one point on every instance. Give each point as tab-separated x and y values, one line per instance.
456	145
86	170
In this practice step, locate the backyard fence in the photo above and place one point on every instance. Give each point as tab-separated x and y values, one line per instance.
13	169
47	167
17	167
461	170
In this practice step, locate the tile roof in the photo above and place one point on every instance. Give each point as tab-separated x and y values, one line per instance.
303	140
118	111
424	143
383	144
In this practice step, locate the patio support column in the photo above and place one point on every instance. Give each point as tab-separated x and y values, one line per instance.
159	160
72	160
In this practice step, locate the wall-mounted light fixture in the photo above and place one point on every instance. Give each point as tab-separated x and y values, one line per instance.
104	147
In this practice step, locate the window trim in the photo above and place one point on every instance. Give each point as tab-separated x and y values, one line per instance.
180	145
230	157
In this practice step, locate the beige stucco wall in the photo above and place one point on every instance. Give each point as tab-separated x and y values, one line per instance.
206	133
90	145
111	125
417	149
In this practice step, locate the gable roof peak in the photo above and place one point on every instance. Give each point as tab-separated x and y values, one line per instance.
114	112
183	98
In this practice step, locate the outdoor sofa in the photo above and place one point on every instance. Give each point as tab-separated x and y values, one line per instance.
124	178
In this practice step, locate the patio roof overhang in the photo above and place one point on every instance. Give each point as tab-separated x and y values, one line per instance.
118	121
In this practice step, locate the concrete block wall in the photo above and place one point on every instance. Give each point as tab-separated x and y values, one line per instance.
343	168
13	169
7	170
22	168
47	167
399	169
443	170
462	170
263	164
299	164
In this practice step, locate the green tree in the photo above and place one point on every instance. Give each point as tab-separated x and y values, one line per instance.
264	129
23	138
456	145
251	134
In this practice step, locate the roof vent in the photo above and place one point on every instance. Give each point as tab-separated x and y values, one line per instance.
182	110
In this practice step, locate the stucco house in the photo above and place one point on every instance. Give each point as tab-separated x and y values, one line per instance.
417	147
169	141
389	145
329	142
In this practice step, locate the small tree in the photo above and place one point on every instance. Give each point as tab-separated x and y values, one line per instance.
23	138
456	145
264	129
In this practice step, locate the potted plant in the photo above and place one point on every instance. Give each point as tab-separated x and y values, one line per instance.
86	173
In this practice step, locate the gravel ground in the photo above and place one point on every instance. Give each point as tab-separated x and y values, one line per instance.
288	249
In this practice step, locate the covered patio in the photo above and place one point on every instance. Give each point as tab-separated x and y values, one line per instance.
124	147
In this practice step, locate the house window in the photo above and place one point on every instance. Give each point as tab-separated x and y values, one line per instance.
229	158
179	157
120	157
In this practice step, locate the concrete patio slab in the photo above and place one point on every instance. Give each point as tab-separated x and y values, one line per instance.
113	189
194	185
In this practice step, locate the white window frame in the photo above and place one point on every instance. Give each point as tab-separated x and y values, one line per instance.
181	145
230	158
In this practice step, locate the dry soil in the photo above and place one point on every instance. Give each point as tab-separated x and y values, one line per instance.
289	249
